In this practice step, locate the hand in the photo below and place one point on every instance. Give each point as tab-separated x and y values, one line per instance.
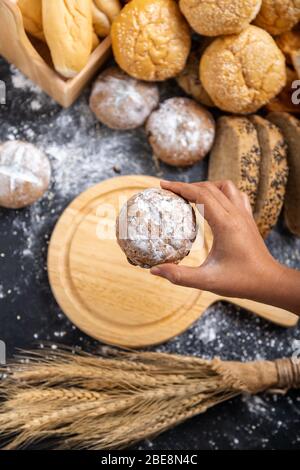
239	264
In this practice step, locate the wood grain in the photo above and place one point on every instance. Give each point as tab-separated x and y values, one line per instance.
35	62
110	299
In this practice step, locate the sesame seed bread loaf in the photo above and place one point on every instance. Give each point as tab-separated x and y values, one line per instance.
236	154
273	174
290	127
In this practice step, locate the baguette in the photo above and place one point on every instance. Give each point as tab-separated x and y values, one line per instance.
68	30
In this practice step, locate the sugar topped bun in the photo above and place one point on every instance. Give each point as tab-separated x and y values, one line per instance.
278	16
151	39
181	132
215	18
122	102
156	226
242	72
24	174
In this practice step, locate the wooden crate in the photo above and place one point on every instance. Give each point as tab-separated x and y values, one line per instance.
33	58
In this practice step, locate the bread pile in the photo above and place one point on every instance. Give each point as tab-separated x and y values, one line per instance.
261	156
71	28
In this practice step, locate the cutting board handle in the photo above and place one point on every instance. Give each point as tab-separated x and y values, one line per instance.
276	315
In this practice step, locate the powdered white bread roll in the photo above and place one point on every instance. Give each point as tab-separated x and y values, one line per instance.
68	29
122	102
180	132
24	174
156	226
244	71
218	17
32	17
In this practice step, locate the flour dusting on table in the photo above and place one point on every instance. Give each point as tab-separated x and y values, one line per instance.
82	152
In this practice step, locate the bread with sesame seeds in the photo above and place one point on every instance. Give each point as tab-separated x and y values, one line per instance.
242	72
218	17
290	127
273	174
236	155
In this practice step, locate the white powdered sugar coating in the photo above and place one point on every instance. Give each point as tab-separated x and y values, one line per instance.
180	131
122	102
156	226
24	173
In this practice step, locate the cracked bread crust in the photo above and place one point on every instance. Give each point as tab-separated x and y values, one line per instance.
278	16
242	72
24	174
151	39
156	226
122	102
273	174
181	132
215	18
236	155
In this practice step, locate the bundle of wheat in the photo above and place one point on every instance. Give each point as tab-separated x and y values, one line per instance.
84	401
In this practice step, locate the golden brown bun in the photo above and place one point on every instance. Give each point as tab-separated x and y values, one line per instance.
100	22
111	8
278	16
190	82
69	34
32	17
283	101
215	18
288	43
104	12
243	72
151	39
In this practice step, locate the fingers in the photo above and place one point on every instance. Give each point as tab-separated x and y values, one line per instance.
246	203
237	197
181	275
214	211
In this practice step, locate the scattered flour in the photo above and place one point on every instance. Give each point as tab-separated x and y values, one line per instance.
82	153
19	81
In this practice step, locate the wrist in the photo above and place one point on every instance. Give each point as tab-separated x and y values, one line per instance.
280	287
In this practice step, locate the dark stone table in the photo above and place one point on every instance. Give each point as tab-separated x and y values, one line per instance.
82	153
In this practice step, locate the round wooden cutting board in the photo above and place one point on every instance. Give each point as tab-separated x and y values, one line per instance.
112	300
99	290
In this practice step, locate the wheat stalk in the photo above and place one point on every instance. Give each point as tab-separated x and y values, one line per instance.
94	402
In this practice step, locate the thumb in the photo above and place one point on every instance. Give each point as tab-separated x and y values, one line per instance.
180	275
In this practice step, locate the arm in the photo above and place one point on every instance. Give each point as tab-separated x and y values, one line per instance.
239	264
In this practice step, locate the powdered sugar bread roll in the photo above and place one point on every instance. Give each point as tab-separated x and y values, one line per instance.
218	17
156	226
122	102
181	132
24	174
